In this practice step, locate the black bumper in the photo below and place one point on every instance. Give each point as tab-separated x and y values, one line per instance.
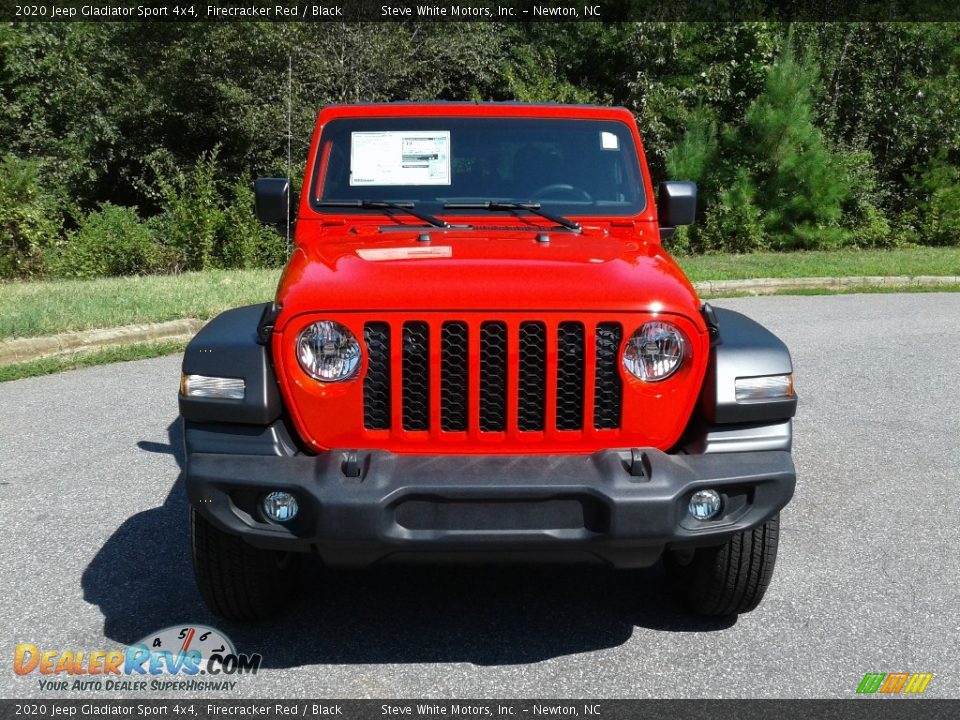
566	507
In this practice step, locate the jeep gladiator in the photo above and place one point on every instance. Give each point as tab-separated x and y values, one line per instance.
479	350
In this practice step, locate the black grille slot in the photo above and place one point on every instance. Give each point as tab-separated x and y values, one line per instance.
608	388
416	376
376	383
453	377
453	364
570	376
533	376
493	377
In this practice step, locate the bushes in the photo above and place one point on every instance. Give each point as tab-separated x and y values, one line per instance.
192	214
734	222
242	242
936	213
695	154
112	241
29	219
204	223
209	224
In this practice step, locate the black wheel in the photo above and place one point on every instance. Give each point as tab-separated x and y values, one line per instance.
238	581
728	579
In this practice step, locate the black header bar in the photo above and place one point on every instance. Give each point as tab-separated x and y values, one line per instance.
479	10
582	709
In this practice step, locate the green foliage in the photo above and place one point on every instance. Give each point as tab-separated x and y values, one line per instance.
29	219
111	241
192	218
866	223
734	223
209	223
772	180
892	89
695	154
530	75
670	69
242	241
786	154
800	183
871	229
937	210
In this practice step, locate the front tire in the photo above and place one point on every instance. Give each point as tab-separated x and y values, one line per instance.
236	580
729	579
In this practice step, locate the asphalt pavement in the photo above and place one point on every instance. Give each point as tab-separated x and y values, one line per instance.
94	552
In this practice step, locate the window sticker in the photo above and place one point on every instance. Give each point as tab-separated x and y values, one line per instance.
609	140
403	157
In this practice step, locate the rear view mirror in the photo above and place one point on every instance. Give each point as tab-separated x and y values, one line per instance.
272	199
677	203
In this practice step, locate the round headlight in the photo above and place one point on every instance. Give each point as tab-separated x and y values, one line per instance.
328	351
654	352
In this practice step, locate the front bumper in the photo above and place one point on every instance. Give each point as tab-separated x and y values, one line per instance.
618	507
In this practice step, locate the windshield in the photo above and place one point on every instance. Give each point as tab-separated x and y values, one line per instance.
566	166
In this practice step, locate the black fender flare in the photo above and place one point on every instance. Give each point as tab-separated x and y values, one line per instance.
742	347
230	345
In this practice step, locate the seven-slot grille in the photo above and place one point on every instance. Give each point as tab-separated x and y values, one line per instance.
492	376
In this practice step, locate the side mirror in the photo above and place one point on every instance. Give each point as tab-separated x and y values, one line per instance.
676	205
272	200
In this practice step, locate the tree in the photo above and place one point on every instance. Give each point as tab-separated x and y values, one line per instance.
800	183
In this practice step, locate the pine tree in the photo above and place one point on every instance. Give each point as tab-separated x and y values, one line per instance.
693	157
800	182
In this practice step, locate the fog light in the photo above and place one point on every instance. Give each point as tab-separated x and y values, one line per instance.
704	504
280	506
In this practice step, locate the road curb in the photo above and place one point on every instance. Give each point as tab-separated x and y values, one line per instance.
767	286
26	349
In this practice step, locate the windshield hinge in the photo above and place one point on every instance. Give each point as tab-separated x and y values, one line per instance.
713	327
267	320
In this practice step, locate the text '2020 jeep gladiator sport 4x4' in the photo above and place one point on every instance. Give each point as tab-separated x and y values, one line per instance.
479	349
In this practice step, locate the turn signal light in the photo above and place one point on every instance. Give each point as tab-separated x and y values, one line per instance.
205	386
769	387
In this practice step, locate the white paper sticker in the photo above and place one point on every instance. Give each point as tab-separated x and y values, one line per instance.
400	157
405	253
609	141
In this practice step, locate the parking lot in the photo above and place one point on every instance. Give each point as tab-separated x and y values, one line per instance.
94	552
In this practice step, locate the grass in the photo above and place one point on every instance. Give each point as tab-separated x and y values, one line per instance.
46	366
834	263
31	309
874	289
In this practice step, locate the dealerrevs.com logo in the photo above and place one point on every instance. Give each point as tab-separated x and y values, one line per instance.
184	658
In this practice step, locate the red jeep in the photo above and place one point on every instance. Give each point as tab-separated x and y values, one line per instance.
479	350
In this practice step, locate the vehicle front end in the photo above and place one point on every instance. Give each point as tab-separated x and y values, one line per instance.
482	352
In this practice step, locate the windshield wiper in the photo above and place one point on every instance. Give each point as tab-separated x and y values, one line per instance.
407	207
533	207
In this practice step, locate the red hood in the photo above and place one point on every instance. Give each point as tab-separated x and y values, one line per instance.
613	270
